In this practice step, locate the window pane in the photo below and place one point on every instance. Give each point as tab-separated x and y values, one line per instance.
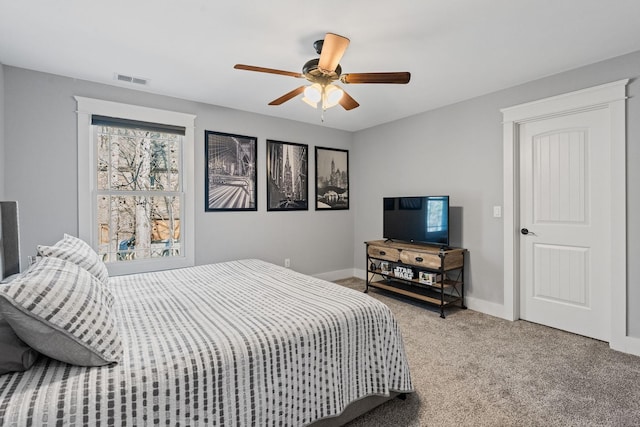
138	227
165	161
137	160
103	141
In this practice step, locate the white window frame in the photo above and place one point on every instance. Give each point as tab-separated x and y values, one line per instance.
87	209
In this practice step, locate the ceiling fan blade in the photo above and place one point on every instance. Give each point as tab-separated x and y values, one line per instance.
397	78
347	102
287	96
333	48
267	70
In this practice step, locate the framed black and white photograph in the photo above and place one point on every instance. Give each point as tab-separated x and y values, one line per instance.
332	179
230	176
287	176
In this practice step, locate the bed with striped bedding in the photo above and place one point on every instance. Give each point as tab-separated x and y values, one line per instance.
240	343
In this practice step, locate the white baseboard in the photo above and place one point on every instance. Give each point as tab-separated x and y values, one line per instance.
486	307
360	273
336	275
629	345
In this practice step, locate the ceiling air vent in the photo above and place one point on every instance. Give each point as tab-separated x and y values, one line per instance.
130	79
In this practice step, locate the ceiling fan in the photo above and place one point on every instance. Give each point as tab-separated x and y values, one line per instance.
322	72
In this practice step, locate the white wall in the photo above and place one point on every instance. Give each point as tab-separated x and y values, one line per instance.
457	150
41	173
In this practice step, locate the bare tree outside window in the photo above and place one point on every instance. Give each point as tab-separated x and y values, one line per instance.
139	193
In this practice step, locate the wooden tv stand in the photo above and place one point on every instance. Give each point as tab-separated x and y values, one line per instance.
427	273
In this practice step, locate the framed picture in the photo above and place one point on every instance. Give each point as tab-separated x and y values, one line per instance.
332	179
429	278
287	176
385	267
230	172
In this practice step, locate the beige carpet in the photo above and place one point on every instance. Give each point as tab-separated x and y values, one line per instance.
472	369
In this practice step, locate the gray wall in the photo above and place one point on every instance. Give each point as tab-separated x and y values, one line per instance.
457	150
1	132
41	173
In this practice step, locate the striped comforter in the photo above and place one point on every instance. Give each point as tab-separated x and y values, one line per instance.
240	343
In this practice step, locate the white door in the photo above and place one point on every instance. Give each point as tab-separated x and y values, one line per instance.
564	220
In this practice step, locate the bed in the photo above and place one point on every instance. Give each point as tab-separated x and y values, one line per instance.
239	343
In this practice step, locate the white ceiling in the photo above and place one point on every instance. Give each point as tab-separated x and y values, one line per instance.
454	49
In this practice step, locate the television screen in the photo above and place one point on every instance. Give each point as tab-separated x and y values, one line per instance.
417	219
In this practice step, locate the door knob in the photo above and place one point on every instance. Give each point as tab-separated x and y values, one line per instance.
524	231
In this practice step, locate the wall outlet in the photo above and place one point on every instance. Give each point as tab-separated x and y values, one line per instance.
287	262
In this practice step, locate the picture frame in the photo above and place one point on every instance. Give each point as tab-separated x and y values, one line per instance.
231	176
287	176
429	278
332	179
424	277
385	267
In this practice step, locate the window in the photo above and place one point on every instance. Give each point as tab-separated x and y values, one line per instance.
138	189
134	207
437	217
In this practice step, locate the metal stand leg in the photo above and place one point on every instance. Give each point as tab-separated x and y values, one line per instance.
464	307
366	264
443	275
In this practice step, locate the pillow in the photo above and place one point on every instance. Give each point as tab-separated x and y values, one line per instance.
15	355
62	311
77	251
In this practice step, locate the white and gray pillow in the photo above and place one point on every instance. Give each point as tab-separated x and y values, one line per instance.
62	311
77	251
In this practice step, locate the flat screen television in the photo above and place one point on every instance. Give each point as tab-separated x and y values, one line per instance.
422	219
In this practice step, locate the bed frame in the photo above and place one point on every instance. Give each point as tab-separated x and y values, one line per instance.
9	239
355	409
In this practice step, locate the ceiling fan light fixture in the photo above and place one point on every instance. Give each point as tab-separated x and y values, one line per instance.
310	102
332	96
313	93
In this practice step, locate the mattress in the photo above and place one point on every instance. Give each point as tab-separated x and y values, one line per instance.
238	343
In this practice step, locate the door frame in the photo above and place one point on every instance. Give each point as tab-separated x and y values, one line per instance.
612	97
